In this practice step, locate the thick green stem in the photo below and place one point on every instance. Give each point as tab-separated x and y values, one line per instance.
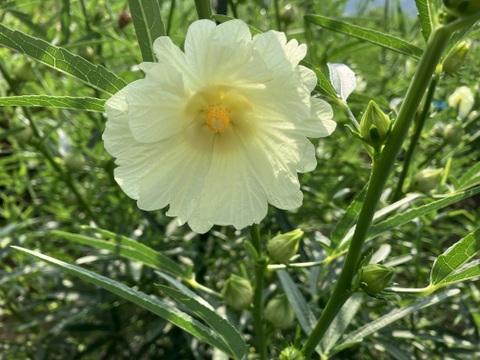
382	167
204	9
257	311
413	141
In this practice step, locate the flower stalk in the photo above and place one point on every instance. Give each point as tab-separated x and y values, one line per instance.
257	310
204	9
381	169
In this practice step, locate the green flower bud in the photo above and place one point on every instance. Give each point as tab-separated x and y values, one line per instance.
24	72
283	246
461	8
454	59
375	277
279	313
288	14
74	160
427	179
24	135
237	292
291	353
462	99
374	126
452	133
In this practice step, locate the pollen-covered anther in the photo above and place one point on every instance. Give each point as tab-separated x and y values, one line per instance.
217	118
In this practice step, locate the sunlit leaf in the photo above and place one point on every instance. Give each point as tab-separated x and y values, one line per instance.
127	248
342	79
408	200
150	303
470	178
148	24
230	336
398	314
61	60
348	219
451	262
63	102
397	220
384	40
426	15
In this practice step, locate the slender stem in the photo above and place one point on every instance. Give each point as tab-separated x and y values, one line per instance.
413	141
257	311
381	169
170	17
277	15
204	9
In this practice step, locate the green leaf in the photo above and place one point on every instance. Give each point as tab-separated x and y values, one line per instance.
470	178
128	248
411	214
348	219
466	272
64	102
376	37
340	323
447	266
61	60
230	336
345	243
148	24
305	317
150	303
397	314
404	217
426	15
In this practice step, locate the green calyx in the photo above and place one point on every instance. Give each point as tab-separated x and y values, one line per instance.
375	126
283	246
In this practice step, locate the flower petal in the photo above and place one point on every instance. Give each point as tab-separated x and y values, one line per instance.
156	104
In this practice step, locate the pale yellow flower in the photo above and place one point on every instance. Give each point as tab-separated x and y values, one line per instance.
220	130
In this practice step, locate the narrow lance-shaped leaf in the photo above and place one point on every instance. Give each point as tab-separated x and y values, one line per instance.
406	216
410	199
148	24
454	258
62	102
341	322
470	178
426	14
61	60
397	314
128	248
150	303
348	219
222	327
305	317
376	37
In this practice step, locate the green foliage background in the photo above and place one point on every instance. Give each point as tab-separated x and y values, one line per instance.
56	175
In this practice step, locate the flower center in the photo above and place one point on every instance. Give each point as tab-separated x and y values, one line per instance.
217	118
